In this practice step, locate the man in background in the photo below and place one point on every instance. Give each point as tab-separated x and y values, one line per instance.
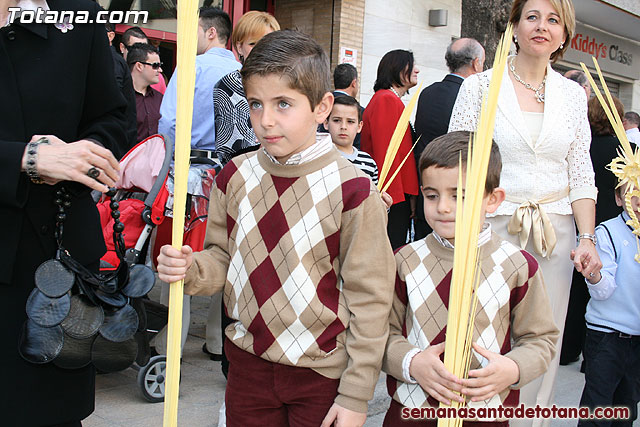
345	82
464	57
130	37
631	121
213	62
145	65
581	78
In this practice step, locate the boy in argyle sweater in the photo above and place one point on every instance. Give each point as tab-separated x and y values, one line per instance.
514	335
287	229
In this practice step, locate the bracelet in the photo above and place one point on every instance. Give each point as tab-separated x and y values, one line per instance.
589	236
32	160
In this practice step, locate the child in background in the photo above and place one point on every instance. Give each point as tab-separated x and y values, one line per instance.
513	306
343	124
287	229
612	344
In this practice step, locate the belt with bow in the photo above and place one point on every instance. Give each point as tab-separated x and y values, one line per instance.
530	219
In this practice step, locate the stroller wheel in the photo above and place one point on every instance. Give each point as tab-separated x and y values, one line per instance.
152	378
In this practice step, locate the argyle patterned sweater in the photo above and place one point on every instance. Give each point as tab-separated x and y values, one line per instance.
513	307
302	255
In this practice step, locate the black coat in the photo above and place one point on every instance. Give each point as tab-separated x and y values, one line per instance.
60	84
435	105
603	150
125	83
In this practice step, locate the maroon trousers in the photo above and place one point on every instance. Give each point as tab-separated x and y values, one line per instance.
394	419
262	393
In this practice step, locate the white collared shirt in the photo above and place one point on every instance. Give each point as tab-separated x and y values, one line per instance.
483	237
322	146
633	135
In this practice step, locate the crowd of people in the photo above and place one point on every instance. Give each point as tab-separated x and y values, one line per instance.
318	280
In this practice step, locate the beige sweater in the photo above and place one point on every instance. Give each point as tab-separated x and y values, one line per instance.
279	239
512	307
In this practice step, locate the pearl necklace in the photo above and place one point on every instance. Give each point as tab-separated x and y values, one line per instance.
394	91
539	94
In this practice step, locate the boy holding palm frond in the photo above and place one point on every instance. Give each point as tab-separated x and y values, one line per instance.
513	306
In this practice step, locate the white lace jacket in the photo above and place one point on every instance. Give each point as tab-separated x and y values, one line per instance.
535	170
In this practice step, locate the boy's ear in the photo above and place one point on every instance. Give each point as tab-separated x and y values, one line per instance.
325	124
360	125
496	197
323	109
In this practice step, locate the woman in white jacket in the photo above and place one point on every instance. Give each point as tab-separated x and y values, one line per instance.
543	134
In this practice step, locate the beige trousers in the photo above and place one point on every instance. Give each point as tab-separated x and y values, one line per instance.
557	272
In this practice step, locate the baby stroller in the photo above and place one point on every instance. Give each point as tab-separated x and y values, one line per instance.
145	189
142	195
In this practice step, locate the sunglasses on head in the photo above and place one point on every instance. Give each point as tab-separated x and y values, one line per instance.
154	65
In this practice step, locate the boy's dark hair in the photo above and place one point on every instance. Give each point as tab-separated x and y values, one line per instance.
133	32
218	19
618	190
343	75
348	100
293	55
139	52
109	27
446	150
394	66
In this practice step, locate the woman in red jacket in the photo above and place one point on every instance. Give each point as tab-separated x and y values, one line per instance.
396	75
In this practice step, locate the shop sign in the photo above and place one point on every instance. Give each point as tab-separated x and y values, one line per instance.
348	56
615	55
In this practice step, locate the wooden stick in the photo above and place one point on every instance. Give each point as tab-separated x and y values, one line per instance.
187	42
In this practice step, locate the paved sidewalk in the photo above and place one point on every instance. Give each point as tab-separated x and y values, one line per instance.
119	401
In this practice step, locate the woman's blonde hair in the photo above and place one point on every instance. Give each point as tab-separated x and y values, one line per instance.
253	24
567	15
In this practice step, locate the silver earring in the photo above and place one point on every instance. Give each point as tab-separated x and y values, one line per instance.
561	46
515	38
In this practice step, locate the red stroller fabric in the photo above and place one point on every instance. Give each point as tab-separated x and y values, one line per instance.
131	216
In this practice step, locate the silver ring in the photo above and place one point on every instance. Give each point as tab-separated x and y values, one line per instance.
591	275
93	173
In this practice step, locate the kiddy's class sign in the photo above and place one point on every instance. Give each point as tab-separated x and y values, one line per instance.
615	55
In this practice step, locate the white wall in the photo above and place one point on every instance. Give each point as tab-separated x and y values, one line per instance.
635	98
404	24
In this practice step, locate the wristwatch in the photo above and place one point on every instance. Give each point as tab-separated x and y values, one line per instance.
591	237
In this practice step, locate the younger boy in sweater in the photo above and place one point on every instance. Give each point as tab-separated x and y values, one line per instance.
513	306
612	344
287	229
